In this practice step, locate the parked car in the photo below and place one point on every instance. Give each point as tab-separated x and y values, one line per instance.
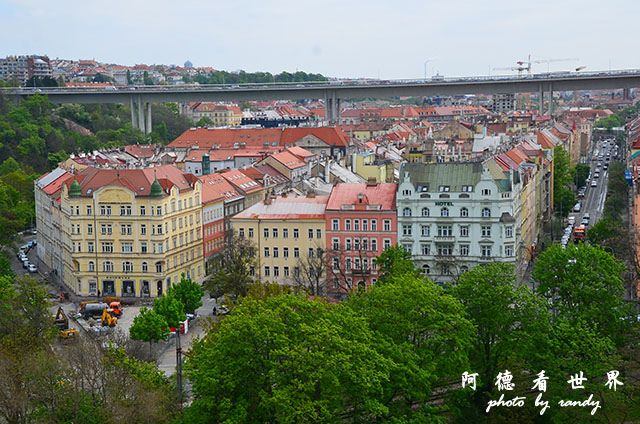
25	263
586	216
572	220
32	268
594	183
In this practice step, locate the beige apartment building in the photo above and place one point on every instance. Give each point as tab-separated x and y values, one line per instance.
285	231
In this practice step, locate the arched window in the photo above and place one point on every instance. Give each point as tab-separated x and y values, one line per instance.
127	266
464	268
426	269
158	267
406	212
464	212
486	213
107	266
444	212
145	267
425	211
92	266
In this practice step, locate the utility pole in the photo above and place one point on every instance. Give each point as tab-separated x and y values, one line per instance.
179	366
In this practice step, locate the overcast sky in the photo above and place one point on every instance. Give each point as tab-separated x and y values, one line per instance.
342	38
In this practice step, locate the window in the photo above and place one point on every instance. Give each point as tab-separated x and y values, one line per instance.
274	232
158	267
92	266
89	210
125	210
241	232
426	269
425	230
387	225
267	271
425	211
296	271
486	192
407	247
275	252
143	229
386	243
444	188
127	267
90	247
285	252
486	212
145	267
89	229
486	231
445	231
143	211
143	247
365	225
365	244
464	212
310	233
311	252
159	229
374	225
335	263
445	249
276	271
159	210
425	249
105	210
107	247
285	233
347	264
125	229
296	252
105	229
444	212
444	269
252	271
464	268
406	212
285	271
406	230
486	250
464	250
296	234
374	245
406	192
467	188
266	252
318	233
107	266
335	243
464	231
250	231
508	231
126	247
356	244
347	225
508	250
347	243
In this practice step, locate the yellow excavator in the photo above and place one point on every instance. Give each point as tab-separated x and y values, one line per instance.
62	321
109	318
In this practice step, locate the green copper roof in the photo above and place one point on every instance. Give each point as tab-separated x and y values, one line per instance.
156	189
74	190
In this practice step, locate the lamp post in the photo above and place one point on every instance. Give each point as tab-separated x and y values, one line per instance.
425	67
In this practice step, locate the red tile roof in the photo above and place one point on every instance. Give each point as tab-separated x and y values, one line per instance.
241	181
289	208
215	187
140	150
288	160
352	194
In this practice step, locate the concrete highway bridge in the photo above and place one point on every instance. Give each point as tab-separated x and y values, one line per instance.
332	92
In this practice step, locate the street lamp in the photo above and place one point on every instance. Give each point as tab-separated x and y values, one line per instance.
425	67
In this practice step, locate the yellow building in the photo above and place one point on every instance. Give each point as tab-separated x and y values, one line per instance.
286	231
369	167
130	232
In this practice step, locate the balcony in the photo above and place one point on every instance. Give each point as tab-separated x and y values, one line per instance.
444	238
485	258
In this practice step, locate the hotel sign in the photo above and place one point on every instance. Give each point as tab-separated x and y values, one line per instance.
444	203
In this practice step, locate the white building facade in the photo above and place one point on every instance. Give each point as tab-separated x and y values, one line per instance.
455	216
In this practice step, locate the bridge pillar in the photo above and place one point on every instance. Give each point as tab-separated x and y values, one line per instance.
550	99
334	112
148	126
337	111
132	104
626	93
140	114
541	101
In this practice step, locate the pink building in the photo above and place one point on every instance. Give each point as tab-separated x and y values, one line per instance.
361	223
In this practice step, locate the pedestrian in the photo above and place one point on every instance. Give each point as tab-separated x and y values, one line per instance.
98	292
215	311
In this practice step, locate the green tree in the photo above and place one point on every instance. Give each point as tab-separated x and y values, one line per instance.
564	199
8	166
147	80
188	292
583	282
512	327
5	266
171	309
287	360
423	330
394	260
230	269
205	122
581	174
149	326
